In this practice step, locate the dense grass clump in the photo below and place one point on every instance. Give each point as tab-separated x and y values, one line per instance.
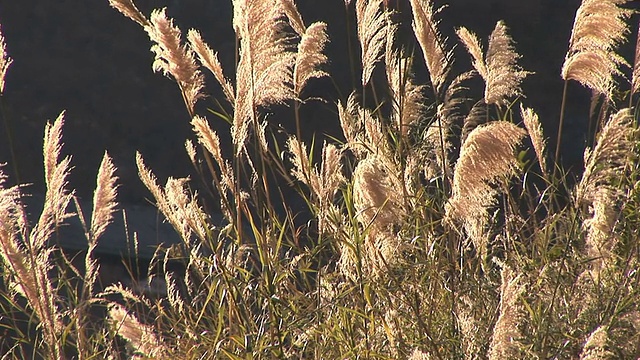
441	226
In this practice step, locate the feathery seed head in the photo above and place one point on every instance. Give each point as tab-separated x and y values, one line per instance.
310	57
534	128
499	68
504	343
209	59
173	58
437	58
129	9
599	27
375	194
372	33
104	198
597	347
487	160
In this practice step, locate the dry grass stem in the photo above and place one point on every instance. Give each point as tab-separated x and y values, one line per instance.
372	33
534	128
209	59
310	56
437	58
599	27
174	58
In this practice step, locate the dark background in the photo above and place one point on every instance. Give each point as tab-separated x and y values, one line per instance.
85	57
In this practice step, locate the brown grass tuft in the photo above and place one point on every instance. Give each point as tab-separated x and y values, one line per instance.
599	27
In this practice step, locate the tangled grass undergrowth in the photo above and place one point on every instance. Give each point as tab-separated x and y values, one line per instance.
441	226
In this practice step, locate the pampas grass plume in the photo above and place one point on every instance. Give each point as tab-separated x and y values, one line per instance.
174	58
210	60
599	27
372	32
437	58
310	56
499	68
534	128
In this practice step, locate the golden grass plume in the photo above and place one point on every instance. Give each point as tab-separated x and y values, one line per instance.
408	99
143	338
596	347
599	27
434	49
174	58
499	67
210	60
129	9
611	155
504	342
310	56
534	128
372	33
487	160
264	75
